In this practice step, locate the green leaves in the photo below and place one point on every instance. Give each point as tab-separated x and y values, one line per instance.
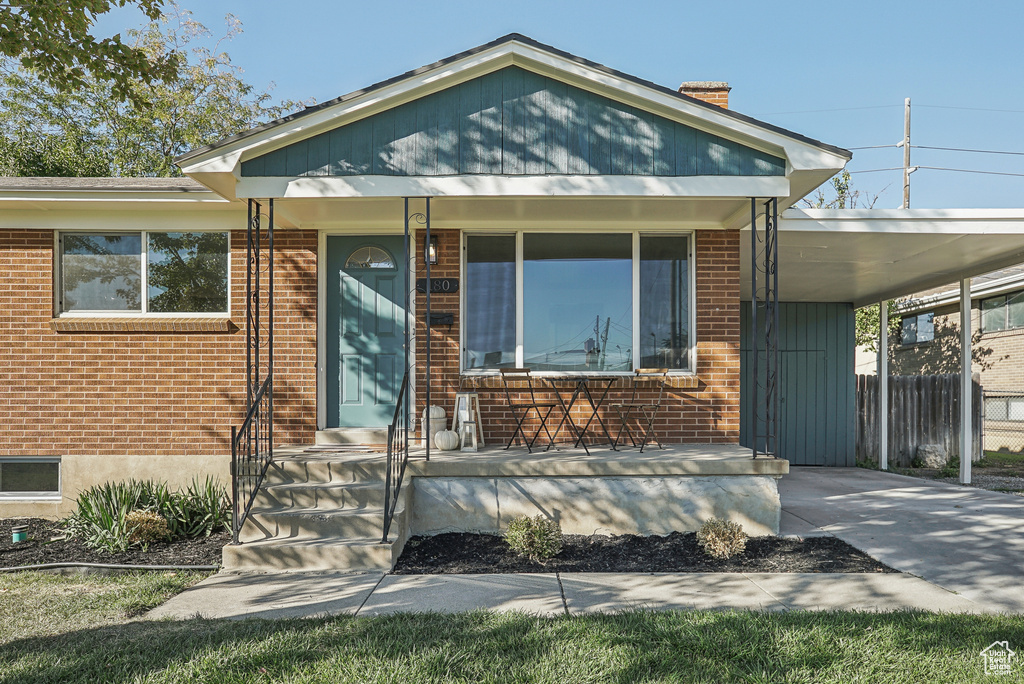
53	39
101	520
93	130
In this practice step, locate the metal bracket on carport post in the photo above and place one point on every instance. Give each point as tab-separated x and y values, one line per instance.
764	342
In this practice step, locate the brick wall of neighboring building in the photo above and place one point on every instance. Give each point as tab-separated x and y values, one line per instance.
125	400
700	408
997	356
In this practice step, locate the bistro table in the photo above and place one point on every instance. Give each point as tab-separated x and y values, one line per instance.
580	386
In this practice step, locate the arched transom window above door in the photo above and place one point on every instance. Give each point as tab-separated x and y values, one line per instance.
370	257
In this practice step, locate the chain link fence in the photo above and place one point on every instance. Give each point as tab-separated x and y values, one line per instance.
1004	421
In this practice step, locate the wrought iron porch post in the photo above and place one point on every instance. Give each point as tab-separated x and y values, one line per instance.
405	332
426	258
764	254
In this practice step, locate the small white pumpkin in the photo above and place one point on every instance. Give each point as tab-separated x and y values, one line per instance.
447	440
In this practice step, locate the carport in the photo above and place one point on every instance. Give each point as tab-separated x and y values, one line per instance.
832	261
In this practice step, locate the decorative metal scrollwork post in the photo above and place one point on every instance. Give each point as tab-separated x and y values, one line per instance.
252	443
423	219
764	395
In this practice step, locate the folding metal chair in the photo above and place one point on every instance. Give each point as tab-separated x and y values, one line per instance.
645	411
516	406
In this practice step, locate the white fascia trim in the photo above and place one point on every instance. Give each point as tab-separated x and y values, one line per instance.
800	155
107	196
986	289
514	186
929	221
124	218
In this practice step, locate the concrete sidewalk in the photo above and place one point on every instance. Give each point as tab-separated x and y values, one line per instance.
965	540
961	547
282	595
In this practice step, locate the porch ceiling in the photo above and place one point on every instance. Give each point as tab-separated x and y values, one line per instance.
863	256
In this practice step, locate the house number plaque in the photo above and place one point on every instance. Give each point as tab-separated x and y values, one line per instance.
442	285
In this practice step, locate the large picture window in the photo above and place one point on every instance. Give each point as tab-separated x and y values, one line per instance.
167	273
573	302
1004	312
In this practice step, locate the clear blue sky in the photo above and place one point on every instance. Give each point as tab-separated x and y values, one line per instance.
838	72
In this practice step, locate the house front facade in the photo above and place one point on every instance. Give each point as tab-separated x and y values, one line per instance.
581	222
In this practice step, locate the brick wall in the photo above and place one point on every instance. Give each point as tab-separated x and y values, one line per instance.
996	356
697	409
147	394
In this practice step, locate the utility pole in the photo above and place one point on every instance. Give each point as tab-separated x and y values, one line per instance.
906	154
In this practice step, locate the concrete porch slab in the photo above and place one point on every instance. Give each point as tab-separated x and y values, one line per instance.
270	595
538	594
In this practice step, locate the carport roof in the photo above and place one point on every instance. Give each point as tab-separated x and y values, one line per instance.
866	255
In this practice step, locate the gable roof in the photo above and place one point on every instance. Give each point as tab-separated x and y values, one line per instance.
509	38
802	164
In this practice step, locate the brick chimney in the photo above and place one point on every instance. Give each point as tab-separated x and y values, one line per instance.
712	92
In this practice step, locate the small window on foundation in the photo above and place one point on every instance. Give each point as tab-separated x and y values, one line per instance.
369	257
29	478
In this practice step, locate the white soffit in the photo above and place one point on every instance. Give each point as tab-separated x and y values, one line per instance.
863	256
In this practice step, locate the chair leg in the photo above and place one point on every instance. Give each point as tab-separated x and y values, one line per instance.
544	427
624	426
650	428
519	430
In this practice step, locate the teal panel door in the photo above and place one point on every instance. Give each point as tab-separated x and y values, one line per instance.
365	319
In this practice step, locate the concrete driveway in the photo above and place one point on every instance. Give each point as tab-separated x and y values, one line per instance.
969	541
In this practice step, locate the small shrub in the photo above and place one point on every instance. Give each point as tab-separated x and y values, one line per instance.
146	526
537	538
722	539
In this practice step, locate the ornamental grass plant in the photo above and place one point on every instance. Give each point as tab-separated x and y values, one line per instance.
103	517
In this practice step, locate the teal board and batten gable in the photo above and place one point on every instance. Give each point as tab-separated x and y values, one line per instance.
514	122
816	383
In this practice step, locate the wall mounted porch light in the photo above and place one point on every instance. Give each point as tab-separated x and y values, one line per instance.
432	250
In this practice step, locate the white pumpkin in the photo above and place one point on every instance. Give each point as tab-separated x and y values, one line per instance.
434	420
447	440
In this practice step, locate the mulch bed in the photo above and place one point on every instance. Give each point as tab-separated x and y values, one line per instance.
458	553
46	544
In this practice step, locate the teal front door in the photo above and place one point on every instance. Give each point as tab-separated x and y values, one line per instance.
365	320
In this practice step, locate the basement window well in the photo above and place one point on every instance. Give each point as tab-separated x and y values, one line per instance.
29	478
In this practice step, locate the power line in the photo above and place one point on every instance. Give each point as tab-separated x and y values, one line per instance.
964	149
973	109
891	168
988	173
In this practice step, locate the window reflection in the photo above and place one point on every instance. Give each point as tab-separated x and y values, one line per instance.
577	302
664	302
102	272
188	272
490	319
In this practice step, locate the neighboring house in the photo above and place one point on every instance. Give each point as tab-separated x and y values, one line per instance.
928	342
587	223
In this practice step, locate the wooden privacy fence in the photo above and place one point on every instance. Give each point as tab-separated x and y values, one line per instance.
923	409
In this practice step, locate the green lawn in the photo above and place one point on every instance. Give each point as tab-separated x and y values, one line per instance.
83	634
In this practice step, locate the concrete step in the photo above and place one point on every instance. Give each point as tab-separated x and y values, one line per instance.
331	496
352	436
301	555
325	469
314	524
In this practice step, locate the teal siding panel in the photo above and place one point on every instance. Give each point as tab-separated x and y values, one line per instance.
491	101
686	150
816	382
664	147
276	162
579	133
535	104
514	121
448	132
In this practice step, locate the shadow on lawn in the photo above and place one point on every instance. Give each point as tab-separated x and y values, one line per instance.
624	647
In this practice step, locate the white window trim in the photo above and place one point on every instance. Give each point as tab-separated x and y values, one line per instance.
35	496
58	273
691	352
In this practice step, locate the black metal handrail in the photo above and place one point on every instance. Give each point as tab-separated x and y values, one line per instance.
398	457
251	455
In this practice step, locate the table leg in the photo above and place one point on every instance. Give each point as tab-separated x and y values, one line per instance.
565	414
594	408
